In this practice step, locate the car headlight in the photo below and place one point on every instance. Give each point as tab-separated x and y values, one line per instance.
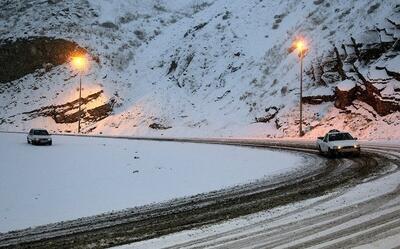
356	146
337	147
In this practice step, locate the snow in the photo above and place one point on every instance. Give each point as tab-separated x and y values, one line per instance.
320	91
289	219
375	74
240	66
393	65
346	85
389	89
242	49
82	176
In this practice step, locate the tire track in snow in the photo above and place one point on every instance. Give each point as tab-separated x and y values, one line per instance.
325	230
323	176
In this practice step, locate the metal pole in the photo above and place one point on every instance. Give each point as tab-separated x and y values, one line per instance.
80	102
301	94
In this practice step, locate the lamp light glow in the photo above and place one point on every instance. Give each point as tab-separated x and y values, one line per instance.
79	62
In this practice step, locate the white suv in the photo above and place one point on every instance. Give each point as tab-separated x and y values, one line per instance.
39	136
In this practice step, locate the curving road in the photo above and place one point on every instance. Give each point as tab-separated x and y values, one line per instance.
326	178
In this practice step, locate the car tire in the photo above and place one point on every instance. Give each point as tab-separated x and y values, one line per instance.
331	153
50	143
27	140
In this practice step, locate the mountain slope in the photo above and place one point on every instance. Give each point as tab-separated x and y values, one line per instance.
213	68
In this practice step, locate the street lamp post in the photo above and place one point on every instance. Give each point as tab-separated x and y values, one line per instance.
301	47
80	103
301	94
79	63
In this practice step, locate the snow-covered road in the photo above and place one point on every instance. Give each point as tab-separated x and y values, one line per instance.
366	216
83	176
345	202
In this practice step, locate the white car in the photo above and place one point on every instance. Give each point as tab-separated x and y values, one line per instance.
337	143
39	136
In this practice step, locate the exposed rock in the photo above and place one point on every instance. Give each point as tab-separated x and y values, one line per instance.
344	97
318	99
393	74
196	28
24	56
157	126
223	95
368	94
68	112
341	69
140	34
100	112
271	111
47	67
109	25
172	67
339	64
372	97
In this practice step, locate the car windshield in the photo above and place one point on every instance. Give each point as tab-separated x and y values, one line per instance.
40	132
340	136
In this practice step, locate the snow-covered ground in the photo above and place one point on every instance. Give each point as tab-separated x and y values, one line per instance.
82	176
365	216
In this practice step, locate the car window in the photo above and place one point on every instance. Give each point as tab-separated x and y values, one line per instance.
40	132
340	137
326	138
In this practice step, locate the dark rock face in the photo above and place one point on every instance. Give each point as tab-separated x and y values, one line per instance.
316	100
371	95
157	126
68	112
24	56
109	25
368	94
344	98
345	63
271	111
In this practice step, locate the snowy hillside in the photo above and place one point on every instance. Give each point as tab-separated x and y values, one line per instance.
206	68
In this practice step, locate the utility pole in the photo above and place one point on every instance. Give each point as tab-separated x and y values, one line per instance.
80	63
301	94
301	47
80	103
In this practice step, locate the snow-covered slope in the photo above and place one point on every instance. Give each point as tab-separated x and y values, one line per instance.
213	68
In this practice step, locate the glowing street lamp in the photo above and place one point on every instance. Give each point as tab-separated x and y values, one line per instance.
301	47
79	63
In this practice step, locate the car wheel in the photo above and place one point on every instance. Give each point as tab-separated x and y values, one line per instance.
50	143
319	150
331	153
27	140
